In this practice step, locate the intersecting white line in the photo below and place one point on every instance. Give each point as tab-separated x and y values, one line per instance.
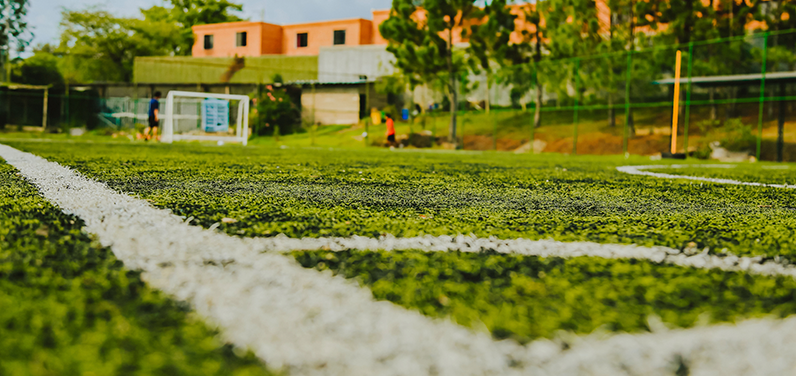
311	323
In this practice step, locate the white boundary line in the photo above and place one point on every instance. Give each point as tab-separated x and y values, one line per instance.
314	324
639	170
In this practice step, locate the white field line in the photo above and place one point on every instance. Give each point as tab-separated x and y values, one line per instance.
692	258
307	322
640	170
313	324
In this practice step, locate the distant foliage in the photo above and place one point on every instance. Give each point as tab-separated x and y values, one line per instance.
275	108
39	69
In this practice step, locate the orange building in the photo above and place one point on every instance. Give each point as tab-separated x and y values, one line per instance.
260	38
237	38
308	38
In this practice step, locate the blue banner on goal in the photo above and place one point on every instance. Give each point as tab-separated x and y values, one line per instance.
215	115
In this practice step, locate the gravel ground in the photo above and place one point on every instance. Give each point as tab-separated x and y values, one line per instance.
311	323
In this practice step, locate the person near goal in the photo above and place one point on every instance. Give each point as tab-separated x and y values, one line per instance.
390	131
154	118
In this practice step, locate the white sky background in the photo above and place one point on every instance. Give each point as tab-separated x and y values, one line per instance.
45	15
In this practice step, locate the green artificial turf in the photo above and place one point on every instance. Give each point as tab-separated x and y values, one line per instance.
69	307
528	297
322	192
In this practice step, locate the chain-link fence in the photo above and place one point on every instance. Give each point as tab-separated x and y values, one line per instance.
735	93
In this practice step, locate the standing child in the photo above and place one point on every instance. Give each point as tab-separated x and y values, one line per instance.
390	131
154	118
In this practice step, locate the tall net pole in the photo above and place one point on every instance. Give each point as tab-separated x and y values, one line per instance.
676	106
575	115
627	100
688	97
762	96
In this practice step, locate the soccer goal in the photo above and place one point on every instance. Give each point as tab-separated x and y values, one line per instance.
205	117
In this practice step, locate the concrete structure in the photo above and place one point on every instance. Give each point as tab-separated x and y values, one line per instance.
338	103
354	64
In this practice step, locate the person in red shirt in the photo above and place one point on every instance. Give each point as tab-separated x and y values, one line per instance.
390	131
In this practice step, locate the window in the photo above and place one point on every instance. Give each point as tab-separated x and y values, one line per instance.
339	37
240	39
208	42
301	40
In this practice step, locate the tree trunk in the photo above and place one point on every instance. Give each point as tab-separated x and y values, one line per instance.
611	112
781	125
452	87
631	46
488	92
537	116
712	92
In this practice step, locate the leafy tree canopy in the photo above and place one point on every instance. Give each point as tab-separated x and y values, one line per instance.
39	69
13	27
421	36
95	45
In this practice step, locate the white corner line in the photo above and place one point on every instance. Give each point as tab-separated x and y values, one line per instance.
640	170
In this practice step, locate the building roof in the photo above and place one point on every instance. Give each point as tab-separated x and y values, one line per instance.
13	86
235	24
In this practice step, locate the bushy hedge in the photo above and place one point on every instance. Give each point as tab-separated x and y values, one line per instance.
69	307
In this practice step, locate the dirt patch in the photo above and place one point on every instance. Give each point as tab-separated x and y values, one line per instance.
476	142
606	144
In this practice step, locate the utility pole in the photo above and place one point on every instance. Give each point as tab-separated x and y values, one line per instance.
6	50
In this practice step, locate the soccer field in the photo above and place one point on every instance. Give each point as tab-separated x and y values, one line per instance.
491	263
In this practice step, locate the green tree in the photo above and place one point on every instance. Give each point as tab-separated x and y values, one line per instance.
39	69
574	31
160	27
13	28
420	35
96	46
175	20
276	113
490	50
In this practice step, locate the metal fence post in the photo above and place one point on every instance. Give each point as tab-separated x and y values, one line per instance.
627	99
494	129
533	124
762	96
688	98
575	119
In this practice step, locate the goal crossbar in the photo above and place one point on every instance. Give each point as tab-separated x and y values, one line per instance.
241	129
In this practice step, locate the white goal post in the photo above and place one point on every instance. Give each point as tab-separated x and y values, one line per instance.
170	114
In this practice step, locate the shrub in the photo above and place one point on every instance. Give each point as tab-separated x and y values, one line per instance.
274	108
738	136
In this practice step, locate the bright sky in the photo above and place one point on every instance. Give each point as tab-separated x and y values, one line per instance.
45	15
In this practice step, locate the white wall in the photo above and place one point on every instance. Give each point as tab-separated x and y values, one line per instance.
347	64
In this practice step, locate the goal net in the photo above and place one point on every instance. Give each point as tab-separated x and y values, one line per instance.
205	117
